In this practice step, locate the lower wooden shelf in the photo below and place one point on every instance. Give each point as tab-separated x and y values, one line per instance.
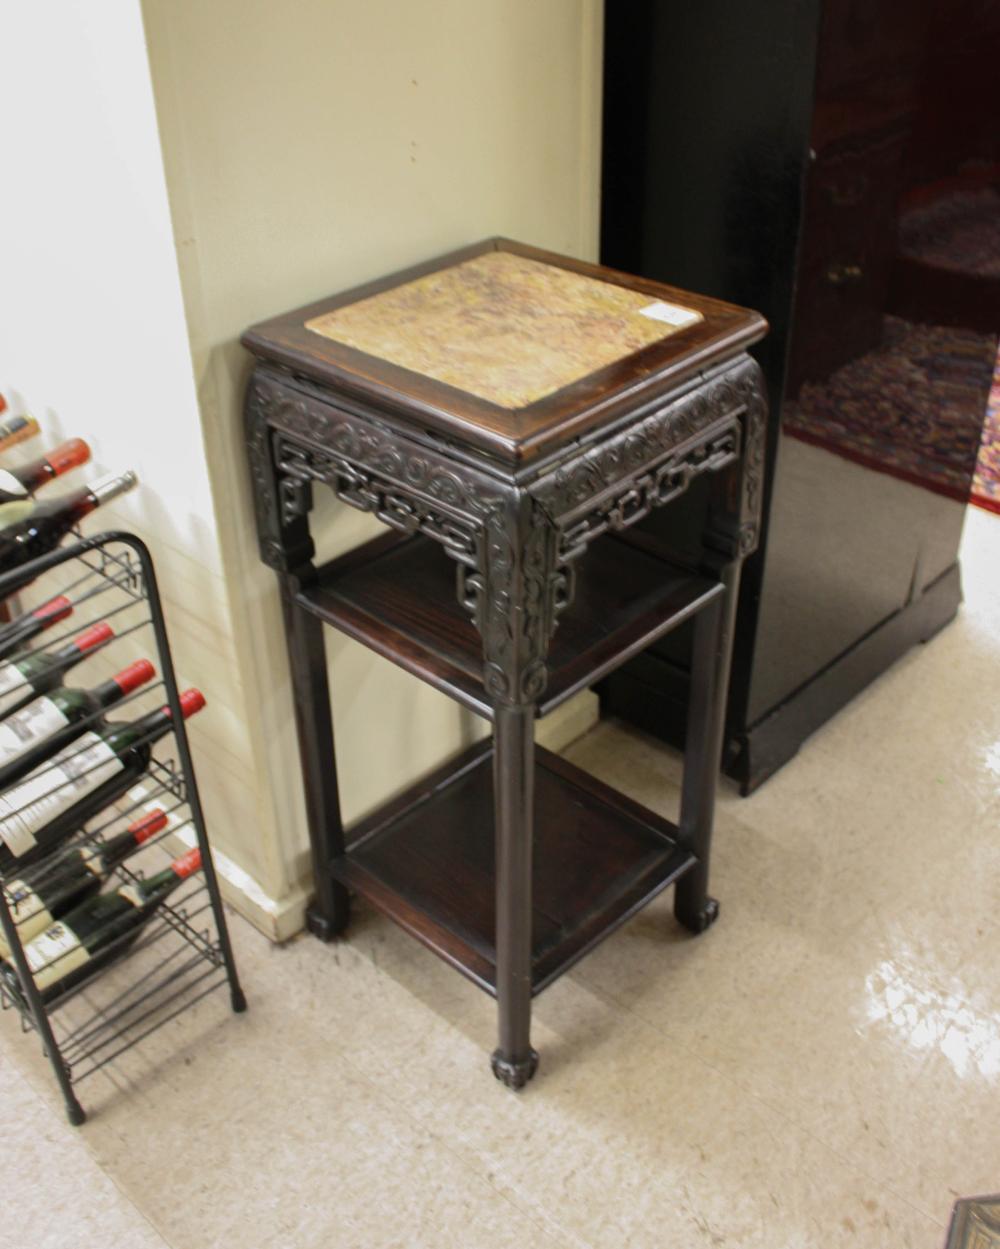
426	860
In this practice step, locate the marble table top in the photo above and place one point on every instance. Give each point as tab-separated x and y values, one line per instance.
504	327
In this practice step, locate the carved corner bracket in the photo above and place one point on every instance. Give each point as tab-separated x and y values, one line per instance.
282	532
501	540
754	393
516	597
625	477
514	547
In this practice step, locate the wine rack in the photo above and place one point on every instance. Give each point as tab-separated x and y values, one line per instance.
140	983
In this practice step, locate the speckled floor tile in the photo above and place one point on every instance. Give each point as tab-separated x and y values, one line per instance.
853	982
265	1134
55	1194
630	1139
274	1096
820	1069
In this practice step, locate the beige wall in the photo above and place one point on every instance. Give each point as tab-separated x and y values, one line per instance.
294	149
310	146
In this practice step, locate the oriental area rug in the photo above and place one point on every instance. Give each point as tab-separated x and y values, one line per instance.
914	408
986	482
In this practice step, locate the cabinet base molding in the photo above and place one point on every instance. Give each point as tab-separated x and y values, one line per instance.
652	693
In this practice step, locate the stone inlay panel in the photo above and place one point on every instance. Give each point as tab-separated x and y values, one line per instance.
504	328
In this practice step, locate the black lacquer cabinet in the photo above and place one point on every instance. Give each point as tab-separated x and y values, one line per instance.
836	165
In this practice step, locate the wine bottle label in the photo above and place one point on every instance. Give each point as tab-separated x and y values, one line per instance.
69	776
131	894
90	856
14	513
54	954
11	487
10	678
23	901
28	912
32	724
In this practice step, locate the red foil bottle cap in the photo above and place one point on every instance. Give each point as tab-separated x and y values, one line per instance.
148	825
187	863
55	609
191	701
69	454
134	675
3	404
96	635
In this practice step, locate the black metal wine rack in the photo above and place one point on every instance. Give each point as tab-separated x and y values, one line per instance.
184	953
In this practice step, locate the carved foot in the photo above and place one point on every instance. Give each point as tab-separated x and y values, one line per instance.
514	1074
327	927
697	920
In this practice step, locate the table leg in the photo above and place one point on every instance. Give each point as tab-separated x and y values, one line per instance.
514	1061
693	906
329	911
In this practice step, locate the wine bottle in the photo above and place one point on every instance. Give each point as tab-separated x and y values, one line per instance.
22	680
38	731
43	893
15	429
116	849
98	930
18	483
82	779
29	528
16	635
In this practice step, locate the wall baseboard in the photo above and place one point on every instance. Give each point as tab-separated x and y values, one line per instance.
571	720
279	919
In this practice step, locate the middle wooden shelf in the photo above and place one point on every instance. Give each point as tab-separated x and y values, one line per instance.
397	596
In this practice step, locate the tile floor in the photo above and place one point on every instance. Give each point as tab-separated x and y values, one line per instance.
822	1069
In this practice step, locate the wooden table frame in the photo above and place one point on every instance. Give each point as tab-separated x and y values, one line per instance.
519	534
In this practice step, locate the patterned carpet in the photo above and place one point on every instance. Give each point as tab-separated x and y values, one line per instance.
986	483
913	408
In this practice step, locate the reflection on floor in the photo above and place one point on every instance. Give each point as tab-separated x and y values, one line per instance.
822	1069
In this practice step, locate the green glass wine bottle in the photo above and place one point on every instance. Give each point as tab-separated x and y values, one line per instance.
41	894
22	680
42	728
98	930
16	634
85	777
30	528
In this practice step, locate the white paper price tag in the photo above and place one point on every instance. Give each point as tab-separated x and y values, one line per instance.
670	314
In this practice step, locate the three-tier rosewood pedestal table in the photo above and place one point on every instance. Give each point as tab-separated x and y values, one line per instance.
508	414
